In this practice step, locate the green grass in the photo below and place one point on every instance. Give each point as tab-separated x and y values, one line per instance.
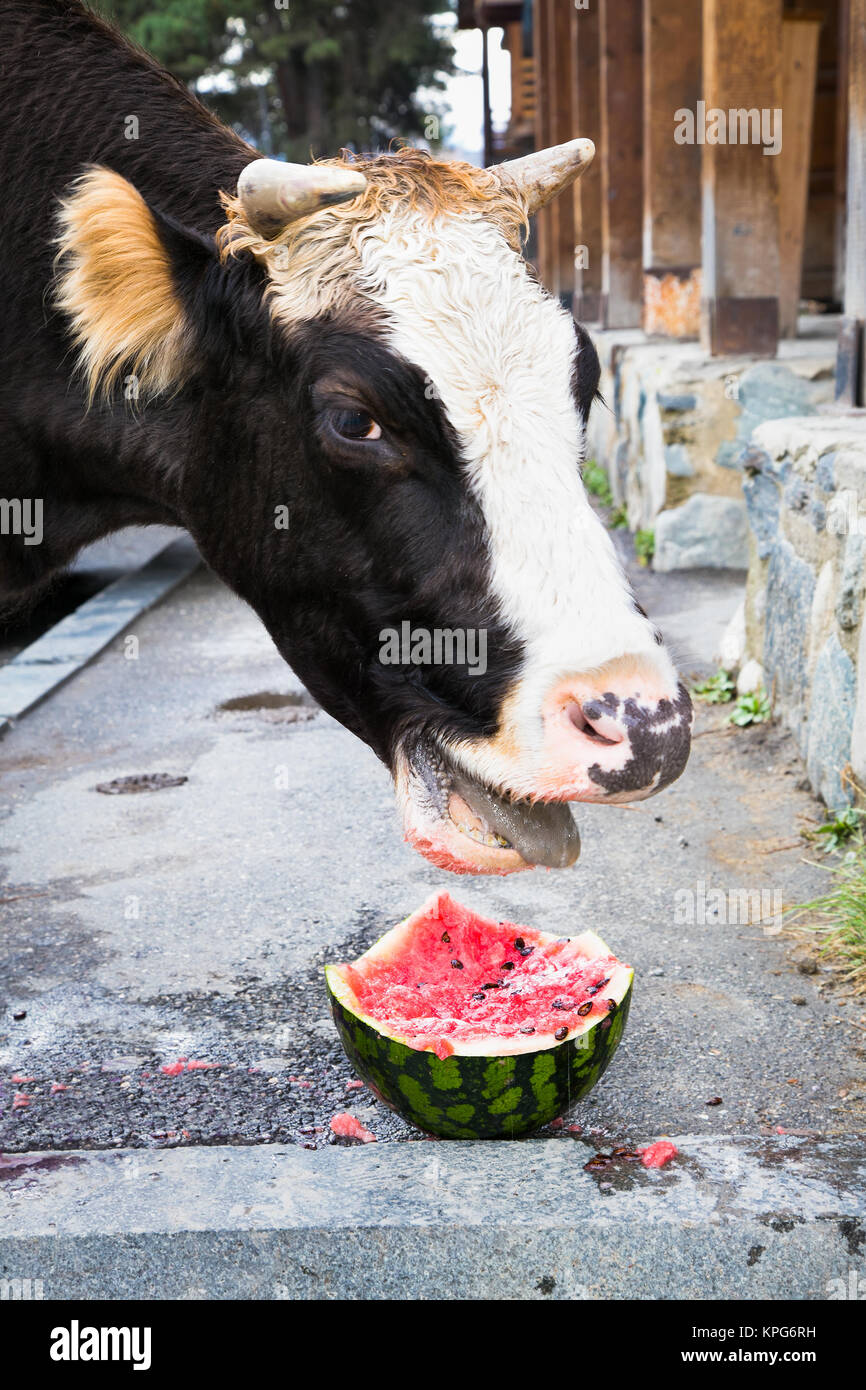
753	708
719	689
644	546
838	829
838	917
595	481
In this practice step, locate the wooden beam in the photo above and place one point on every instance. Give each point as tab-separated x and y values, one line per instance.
818	281
544	220
621	88
800	34
561	129
514	44
485	96
672	172
840	181
740	183
586	123
850	384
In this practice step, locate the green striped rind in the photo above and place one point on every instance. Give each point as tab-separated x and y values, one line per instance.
480	1097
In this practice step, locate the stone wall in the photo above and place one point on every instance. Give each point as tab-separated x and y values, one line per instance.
675	428
804	482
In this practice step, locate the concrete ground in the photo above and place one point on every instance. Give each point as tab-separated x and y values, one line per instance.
193	923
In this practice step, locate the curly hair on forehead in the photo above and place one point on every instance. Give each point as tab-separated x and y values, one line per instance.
407	179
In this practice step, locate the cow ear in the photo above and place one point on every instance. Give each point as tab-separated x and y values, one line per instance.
124	273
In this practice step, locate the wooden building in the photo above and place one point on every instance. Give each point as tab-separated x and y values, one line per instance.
730	178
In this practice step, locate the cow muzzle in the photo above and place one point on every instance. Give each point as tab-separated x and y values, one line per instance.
501	805
606	741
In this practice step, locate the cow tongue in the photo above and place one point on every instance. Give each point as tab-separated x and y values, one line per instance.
542	833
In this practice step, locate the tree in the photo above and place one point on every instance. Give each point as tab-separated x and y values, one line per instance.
302	76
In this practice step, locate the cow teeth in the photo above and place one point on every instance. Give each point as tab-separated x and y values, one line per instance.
495	841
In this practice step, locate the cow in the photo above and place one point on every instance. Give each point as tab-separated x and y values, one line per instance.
346	383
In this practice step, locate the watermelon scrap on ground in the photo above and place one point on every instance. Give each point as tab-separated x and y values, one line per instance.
348	1127
473	1028
658	1154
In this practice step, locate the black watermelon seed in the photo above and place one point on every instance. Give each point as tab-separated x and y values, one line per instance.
561	1033
597	1161
519	943
716	1100
507	965
445	937
479	996
584	1009
529	1029
456	965
22	1013
612	1006
496	985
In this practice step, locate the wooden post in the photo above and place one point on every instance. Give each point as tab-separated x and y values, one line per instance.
544	221
800	34
840	180
485	97
517	124
561	82
586	123
621	47
740	183
672	172
850	385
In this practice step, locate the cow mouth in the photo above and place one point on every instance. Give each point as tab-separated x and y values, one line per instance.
461	823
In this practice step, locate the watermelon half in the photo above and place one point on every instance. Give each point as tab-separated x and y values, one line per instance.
475	1029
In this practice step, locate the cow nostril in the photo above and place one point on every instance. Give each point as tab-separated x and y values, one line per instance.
580	718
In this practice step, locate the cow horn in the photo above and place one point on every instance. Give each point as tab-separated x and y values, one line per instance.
540	176
273	193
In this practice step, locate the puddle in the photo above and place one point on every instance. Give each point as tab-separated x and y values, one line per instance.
290	707
140	782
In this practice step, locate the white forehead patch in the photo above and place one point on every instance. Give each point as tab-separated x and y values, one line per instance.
499	353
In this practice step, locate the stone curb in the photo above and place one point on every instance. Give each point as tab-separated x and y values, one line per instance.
68	646
732	1218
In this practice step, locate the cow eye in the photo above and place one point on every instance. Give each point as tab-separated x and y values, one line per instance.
356	425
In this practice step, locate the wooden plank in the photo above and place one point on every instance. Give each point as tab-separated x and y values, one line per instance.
544	231
739	182
586	123
819	240
621	86
855	249
800	34
514	45
672	171
485	98
840	183
562	81
855	237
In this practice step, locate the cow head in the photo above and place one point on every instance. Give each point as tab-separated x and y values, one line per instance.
401	383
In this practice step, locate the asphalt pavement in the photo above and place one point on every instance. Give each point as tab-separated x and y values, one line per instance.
161	953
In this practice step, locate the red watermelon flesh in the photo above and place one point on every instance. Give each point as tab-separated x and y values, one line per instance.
449	980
